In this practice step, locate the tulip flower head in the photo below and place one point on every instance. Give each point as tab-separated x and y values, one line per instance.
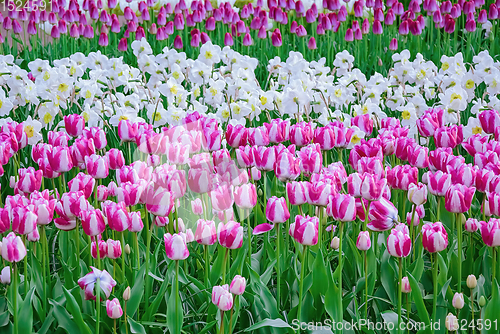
88	281
114	309
13	249
176	246
434	237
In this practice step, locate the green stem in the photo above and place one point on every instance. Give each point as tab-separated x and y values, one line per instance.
472	309
114	326
438	208
125	314
148	246
14	291
412	235
224	266
434	296
98	304
249	240
301	283
136	239
44	265
221	329
123	256
26	285
341	258
408	311
459	234
278	272
494	264
177	292
366	285
400	294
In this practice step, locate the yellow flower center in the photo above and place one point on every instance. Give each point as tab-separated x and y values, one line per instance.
123	118
30	131
176	75
263	100
469	84
63	87
355	139
47	118
476	130
445	66
208	55
338	92
406	115
225	114
173	90
72	70
213	91
455	96
88	94
46	76
157	117
86	116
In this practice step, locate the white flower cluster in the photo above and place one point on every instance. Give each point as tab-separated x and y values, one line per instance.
221	83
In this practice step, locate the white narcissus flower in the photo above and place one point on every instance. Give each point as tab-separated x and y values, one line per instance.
32	128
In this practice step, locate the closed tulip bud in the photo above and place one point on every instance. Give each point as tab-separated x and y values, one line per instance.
490	232
102	193
363	242
434	237
417	193
176	246
451	322
13	249
297	192
97	166
197	207
159	201
126	294
458	301
342	207
200	180
393	45
98	135
115	158
482	301
238	285
222	197
471	281
277	210
127	249
405	285
113	308
135	223
245	196
471	225
335	243
222	298
230	235
5	275
311	159
114	249
286	167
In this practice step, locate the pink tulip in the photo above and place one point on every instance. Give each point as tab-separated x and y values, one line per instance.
127	131
206	233
325	137
80	149
448	136
286	167
117	215
237	135
301	134
418	156
114	309
230	235
490	231
458	198
341	207
115	158
297	192
114	249
135	223
222	197
159	201
82	182
4	220
29	180
98	135
382	215
222	298
258	136
398	243
200	180
434	237
93	222
238	285
363	243
318	193
244	156
417	193
277	210
438	183
97	166
24	219
430	122
311	158
278	130
245	196
176	246
74	124
364	123
265	157
13	249
490	120
472	225
58	138
372	187
305	230
197	207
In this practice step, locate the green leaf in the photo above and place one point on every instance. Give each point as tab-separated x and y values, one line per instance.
135	327
416	293
26	313
274	323
136	293
491	311
63	318
74	310
174	311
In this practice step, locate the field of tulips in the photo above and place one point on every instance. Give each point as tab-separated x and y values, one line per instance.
256	167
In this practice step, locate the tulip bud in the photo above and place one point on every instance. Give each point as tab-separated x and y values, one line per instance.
114	309
126	293
458	301
238	285
471	281
405	286
451	322
127	249
5	275
482	301
363	242
335	243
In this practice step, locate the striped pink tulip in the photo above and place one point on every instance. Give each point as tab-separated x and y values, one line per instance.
434	237
13	249
398	243
277	210
176	246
